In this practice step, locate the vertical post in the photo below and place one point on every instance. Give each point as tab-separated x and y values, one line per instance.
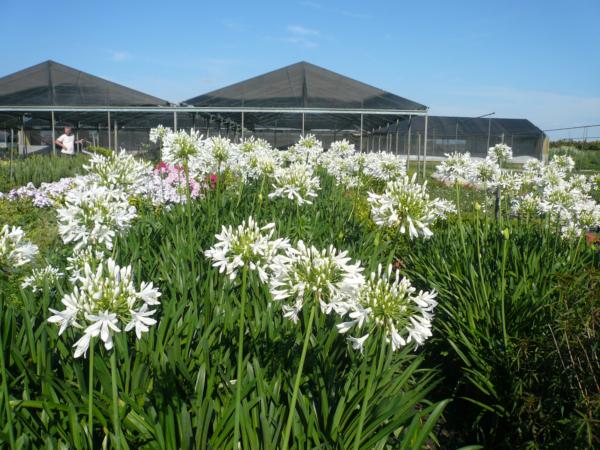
379	141
302	124
489	131
53	146
108	132
242	125
418	156
208	126
361	131
456	137
425	143
116	136
397	134
408	147
174	120
12	150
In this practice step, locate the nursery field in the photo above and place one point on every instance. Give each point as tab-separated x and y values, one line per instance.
238	296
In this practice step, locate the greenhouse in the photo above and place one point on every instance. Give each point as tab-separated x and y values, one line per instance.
278	106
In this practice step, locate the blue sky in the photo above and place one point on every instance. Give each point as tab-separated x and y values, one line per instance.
533	59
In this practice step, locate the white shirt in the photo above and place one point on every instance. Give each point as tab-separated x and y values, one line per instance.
68	143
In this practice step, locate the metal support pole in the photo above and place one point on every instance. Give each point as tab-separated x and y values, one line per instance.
302	124
425	143
408	147
242	125
116	136
108	132
397	134
53	147
489	131
361	132
174	120
12	150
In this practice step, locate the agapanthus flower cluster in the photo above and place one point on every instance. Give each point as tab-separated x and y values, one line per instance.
406	206
45	195
93	215
46	276
456	168
159	133
307	150
390	304
168	184
247	245
182	148
15	250
384	166
119	171
256	158
306	273
562	199
500	153
105	301
297	183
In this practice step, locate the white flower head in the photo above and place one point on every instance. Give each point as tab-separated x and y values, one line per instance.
246	245
41	277
308	274
390	303
15	250
105	301
297	183
406	205
93	215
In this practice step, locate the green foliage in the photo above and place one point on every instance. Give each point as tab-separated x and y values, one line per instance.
538	387
99	150
585	159
176	385
37	169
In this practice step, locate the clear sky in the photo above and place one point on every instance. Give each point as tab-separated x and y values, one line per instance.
519	58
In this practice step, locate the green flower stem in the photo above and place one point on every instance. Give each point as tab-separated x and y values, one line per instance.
240	360
115	399
288	427
91	394
363	410
9	417
503	289
460	223
478	231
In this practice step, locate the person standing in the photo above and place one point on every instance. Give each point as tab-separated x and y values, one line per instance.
66	142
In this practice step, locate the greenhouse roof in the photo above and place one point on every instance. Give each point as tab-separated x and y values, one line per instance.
54	84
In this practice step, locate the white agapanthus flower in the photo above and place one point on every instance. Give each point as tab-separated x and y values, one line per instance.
486	174
406	205
384	166
158	133
93	215
41	277
15	250
308	150
306	274
456	168
389	303
296	183
105	301
500	153
182	148
246	245
119	171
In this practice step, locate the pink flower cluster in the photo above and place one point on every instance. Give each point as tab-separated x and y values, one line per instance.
169	185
